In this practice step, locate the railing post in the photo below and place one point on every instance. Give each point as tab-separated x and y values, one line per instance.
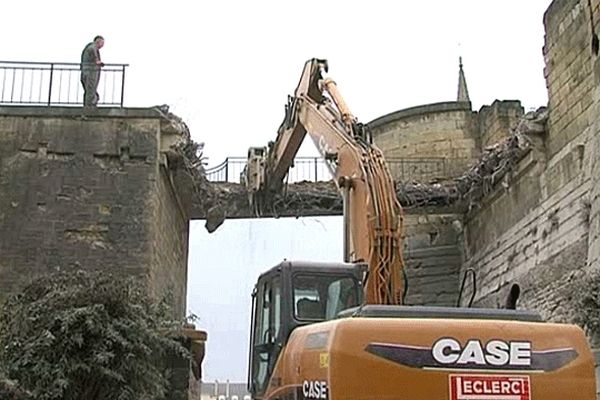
227	169
122	85
316	170
50	88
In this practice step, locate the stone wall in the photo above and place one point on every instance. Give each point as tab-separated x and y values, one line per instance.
568	71
594	148
593	258
496	121
443	132
441	140
91	193
503	208
541	244
170	237
537	227
432	255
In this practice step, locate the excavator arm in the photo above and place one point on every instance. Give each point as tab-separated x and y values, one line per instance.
372	213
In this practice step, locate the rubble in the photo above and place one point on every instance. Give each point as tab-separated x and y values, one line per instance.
495	162
477	182
186	158
186	151
231	200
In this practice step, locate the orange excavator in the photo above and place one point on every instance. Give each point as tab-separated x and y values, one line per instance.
339	330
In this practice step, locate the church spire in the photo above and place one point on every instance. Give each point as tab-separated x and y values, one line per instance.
463	92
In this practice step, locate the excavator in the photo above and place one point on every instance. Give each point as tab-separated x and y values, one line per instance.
340	331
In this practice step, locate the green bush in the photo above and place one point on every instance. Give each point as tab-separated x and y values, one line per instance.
587	305
73	336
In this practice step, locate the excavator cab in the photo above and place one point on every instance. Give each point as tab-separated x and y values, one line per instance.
294	294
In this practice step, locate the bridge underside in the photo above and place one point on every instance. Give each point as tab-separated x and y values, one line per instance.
306	199
298	200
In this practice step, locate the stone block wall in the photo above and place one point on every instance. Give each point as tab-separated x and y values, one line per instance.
520	236
432	256
537	228
88	192
504	207
568	72
170	246
496	121
442	132
441	140
593	147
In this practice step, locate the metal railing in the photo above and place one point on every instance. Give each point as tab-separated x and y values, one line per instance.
57	84
313	169
419	169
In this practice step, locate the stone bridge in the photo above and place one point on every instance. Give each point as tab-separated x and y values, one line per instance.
311	192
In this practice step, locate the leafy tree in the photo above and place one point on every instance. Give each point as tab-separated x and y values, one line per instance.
73	336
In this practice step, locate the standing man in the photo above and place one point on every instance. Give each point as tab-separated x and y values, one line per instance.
90	71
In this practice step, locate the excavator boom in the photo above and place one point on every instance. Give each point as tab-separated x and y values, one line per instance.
372	213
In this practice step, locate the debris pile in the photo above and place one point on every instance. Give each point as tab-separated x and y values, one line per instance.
307	198
186	155
495	162
189	151
470	188
297	199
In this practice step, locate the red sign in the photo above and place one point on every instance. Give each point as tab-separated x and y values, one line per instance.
489	387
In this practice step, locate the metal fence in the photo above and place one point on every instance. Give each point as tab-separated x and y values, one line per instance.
57	84
313	169
419	169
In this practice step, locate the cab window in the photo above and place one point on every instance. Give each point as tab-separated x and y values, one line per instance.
266	343
322	297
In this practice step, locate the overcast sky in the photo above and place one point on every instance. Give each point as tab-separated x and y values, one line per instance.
227	67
